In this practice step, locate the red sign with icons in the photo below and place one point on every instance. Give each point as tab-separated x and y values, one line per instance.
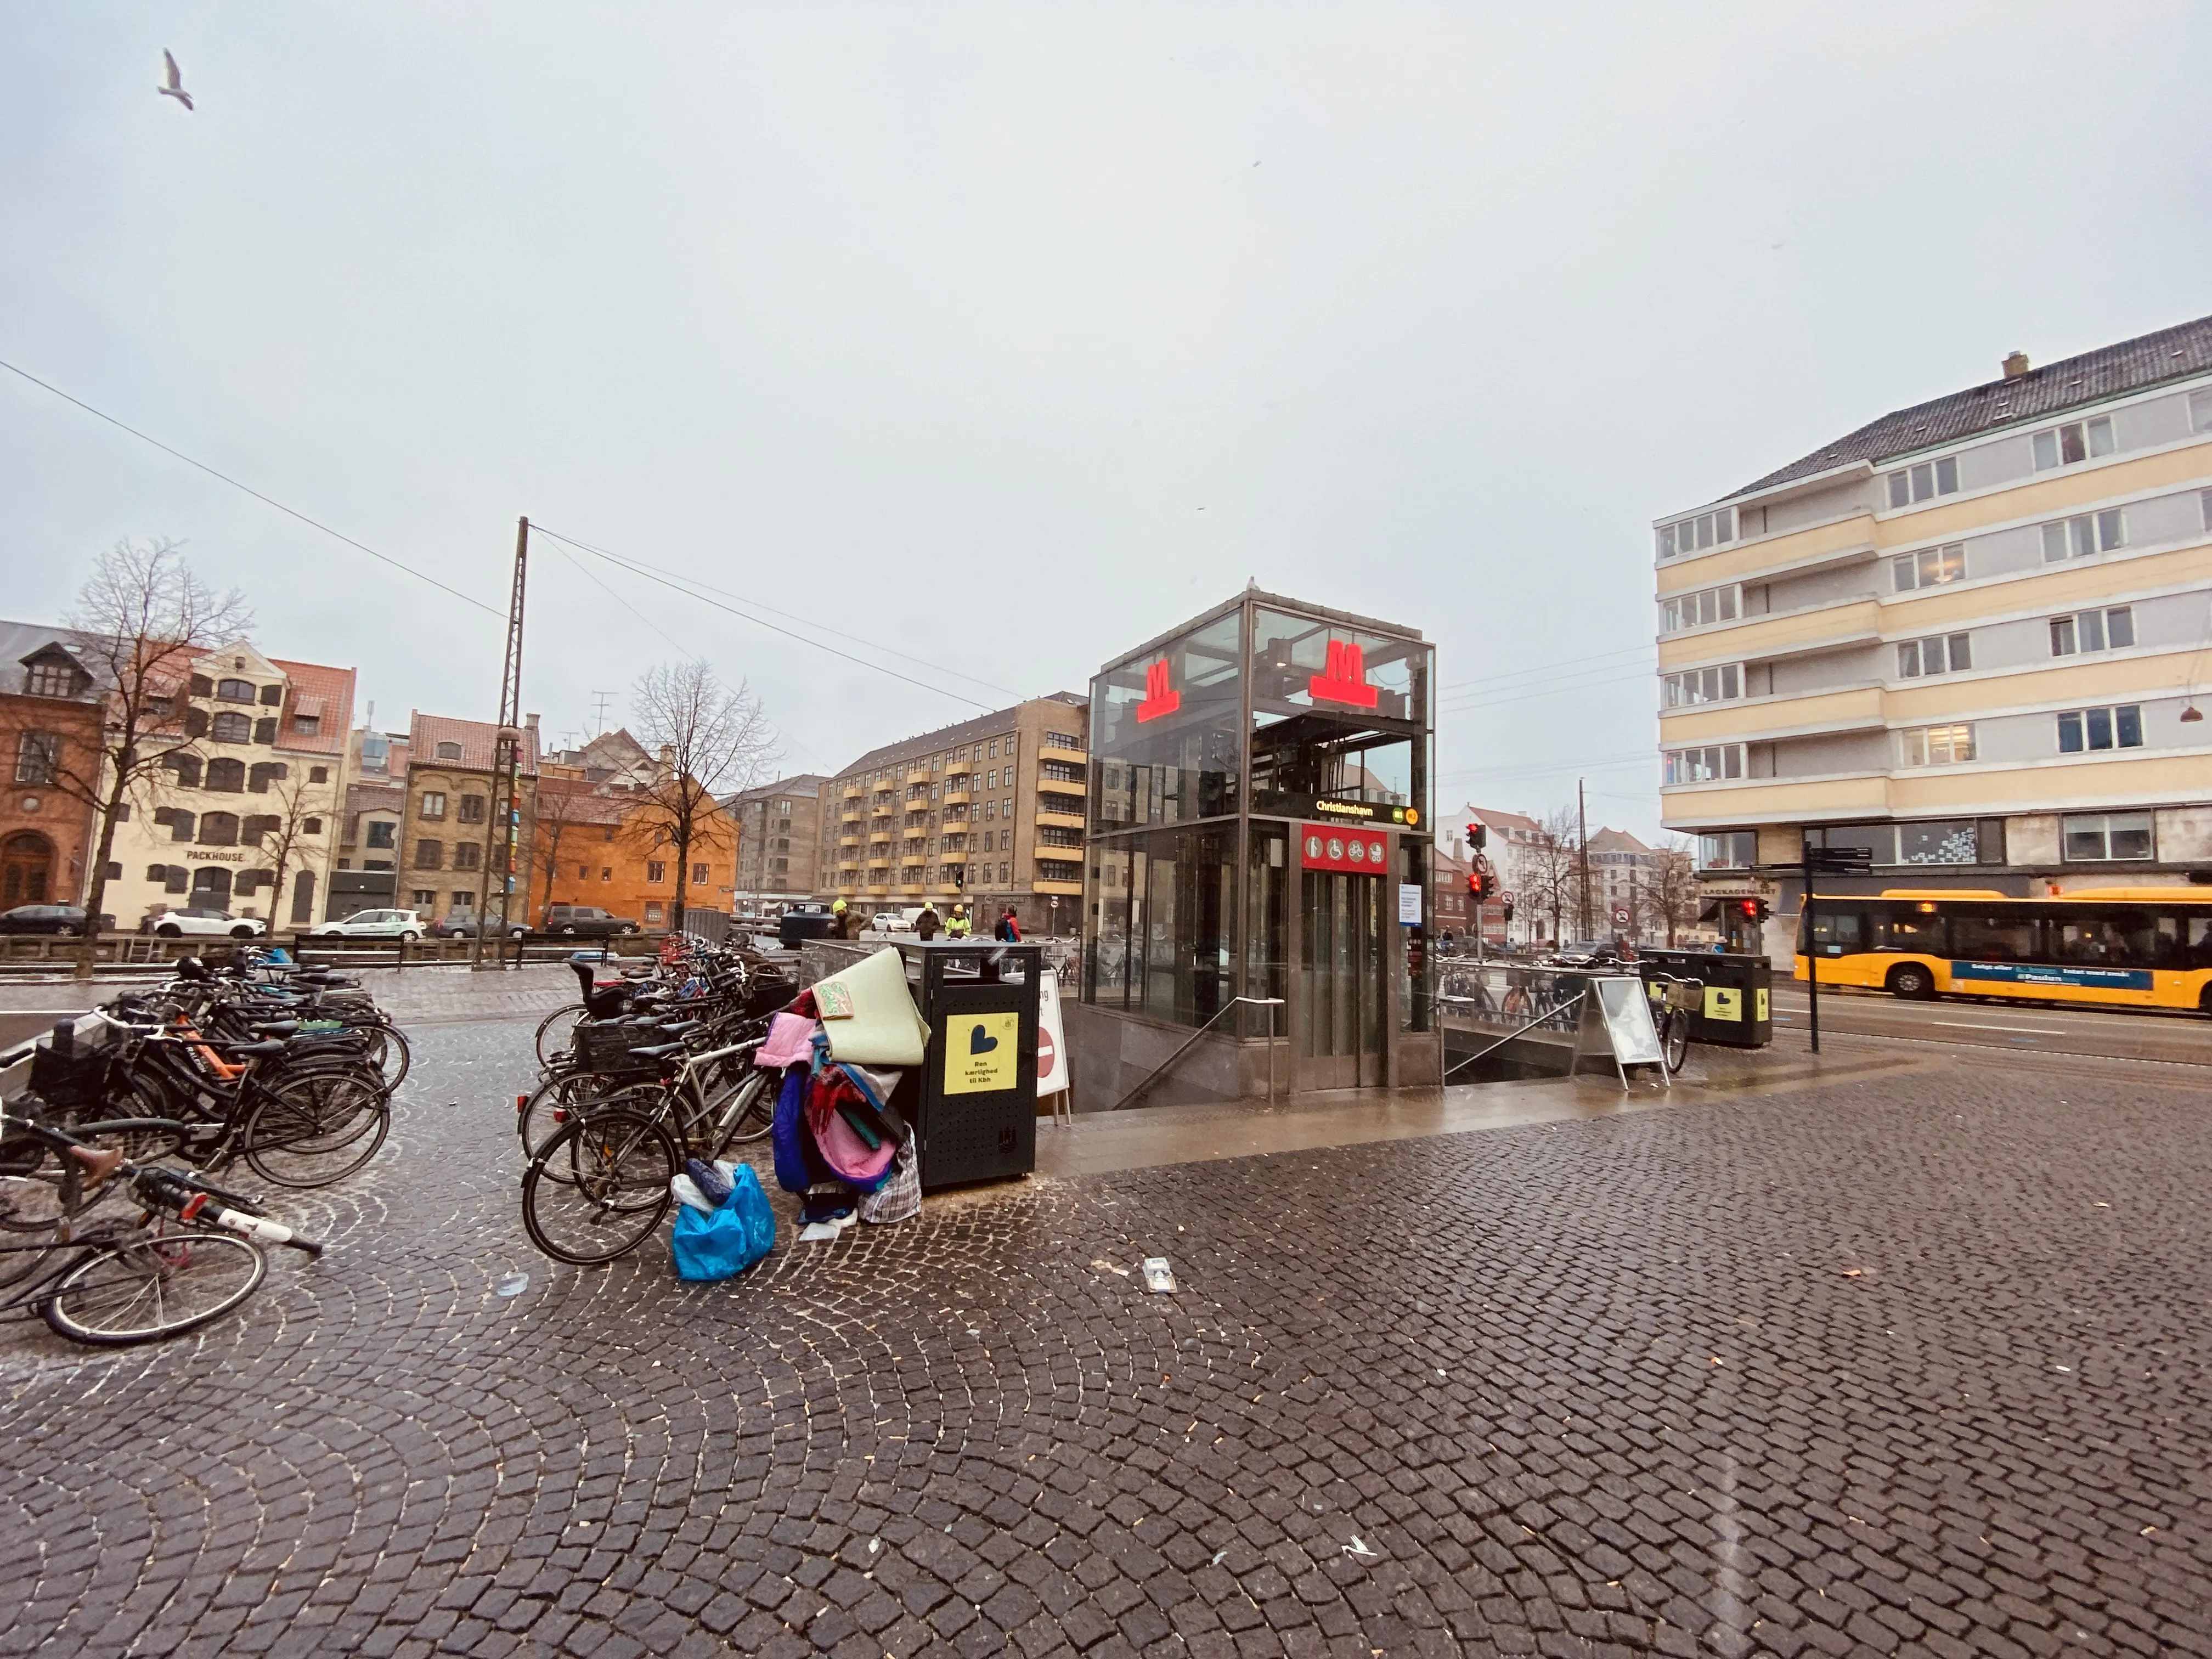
1340	847
1160	698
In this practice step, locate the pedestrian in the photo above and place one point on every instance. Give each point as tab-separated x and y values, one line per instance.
957	926
1008	931
841	920
925	924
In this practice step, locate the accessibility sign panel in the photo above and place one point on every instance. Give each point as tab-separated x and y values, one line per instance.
981	1056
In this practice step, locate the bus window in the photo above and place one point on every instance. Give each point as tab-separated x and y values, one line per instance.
1909	930
1996	938
2187	941
2117	939
1837	932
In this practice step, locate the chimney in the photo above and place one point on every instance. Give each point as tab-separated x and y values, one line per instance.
531	720
2015	366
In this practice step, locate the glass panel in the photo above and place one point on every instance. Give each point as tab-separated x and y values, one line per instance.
1924	481
2091	624
1164	732
2111	529
2100	435
1898	494
2116	939
1266	947
2069	735
1837	933
1706	531
2127	725
2046	450
1906	931
1724	525
1667	542
2120	628
2128	834
1961	654
1901	571
2098	722
1417	977
2072	448
1908	660
1996	938
2054	541
1947	475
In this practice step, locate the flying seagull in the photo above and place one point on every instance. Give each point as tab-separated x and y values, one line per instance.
176	87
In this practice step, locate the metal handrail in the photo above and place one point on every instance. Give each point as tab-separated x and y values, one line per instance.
1550	1013
1149	1078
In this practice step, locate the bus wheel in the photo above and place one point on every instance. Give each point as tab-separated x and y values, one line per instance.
1912	981
2204	998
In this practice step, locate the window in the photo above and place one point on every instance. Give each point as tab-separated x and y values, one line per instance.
465	901
434	803
467	855
472	809
1909	484
449	751
1703	765
1931	567
318	774
1951	840
38	756
218	829
1063	740
1946	653
652	913
430	854
2077	538
698	875
226	775
606	875
1937	745
1702	609
2112	629
2083	729
1996	939
230	726
1716	529
1732	850
422	900
656	872
383	835
2077	440
273	694
52	679
2097	837
2200	412
235	692
1694	685
306	726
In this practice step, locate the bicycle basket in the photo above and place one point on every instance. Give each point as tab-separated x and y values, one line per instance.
606	1048
72	1082
1685	999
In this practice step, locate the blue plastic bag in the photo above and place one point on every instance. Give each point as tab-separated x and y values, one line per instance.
722	1245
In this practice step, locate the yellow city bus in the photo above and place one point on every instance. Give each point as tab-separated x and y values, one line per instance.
2139	947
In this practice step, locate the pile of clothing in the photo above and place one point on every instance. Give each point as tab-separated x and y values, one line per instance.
844	1047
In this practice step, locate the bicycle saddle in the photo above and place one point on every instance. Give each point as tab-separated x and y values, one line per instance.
277	1028
677	1031
657	1051
257	1050
97	1162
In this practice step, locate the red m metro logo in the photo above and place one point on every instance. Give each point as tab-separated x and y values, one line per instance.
1160	698
1344	679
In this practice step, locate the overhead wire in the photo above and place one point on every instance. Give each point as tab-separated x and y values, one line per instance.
692	593
267	501
1544	668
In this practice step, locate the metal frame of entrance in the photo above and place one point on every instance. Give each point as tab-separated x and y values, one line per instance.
1410	1050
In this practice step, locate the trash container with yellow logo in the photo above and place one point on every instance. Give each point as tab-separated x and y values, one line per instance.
1737	1008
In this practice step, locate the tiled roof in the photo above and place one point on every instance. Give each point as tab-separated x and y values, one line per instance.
21	640
1617	841
331	690
572	800
479	742
1497	820
376	797
983	725
806	785
2108	371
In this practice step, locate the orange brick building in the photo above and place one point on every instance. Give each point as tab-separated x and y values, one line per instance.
605	844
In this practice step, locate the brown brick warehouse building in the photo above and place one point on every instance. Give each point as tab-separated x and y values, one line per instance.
989	812
50	709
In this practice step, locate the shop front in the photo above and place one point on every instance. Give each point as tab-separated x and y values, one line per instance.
1257	904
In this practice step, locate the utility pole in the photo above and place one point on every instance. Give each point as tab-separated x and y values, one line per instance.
1582	857
505	817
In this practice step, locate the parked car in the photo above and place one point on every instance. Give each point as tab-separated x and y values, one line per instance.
894	922
374	924
200	920
462	925
800	923
67	920
586	921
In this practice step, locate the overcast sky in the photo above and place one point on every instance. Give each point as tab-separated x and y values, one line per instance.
1010	336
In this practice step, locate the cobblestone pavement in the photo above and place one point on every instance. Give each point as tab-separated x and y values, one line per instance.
1601	1387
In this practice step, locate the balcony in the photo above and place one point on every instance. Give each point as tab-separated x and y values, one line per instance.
1048	819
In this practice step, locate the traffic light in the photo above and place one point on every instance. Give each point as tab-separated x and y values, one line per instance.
1509	913
1478	836
1478	885
1755	909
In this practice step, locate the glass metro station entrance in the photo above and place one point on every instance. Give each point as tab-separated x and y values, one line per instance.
1258	870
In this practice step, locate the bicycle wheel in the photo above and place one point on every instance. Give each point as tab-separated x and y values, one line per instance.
599	1189
746	1112
1674	1039
560	1098
38	1186
557	1032
388	1051
153	1287
315	1128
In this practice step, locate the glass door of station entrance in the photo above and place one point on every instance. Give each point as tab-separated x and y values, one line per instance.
1339	1013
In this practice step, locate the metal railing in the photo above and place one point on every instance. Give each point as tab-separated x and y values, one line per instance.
1149	1078
1549	1015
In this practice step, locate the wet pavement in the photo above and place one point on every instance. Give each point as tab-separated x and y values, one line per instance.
1879	1361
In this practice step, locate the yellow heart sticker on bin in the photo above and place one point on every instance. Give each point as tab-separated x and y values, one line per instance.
981	1052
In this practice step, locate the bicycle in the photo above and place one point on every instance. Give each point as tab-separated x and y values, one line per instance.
1675	1003
193	1254
597	1187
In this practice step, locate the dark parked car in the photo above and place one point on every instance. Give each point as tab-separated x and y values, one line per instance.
67	920
799	925
586	921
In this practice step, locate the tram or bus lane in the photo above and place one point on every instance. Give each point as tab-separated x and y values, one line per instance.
2022	1026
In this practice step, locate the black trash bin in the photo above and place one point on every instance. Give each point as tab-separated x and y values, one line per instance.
976	1117
1739	1000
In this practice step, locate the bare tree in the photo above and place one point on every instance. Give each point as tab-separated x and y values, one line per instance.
1667	893
712	740
141	620
278	832
560	807
1552	868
